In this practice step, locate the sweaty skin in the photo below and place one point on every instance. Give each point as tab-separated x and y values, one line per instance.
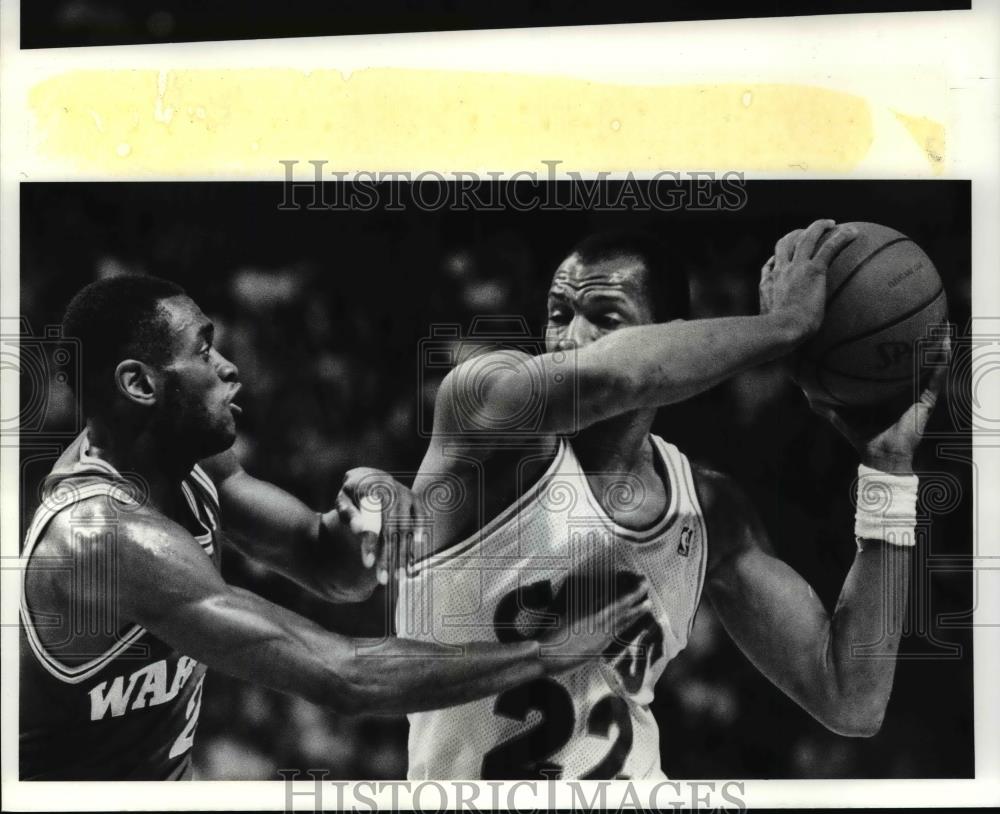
165	418
606	370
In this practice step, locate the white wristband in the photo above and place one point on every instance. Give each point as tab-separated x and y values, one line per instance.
886	507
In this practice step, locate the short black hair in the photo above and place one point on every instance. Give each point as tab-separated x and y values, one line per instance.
666	281
114	319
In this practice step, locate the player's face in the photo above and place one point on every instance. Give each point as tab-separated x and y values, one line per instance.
589	300
199	384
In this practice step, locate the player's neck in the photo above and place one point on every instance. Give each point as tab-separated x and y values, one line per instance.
138	452
620	441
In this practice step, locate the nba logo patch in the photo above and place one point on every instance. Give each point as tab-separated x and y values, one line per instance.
684	546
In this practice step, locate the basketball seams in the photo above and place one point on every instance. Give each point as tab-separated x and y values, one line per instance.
872	331
871	321
836	255
861	265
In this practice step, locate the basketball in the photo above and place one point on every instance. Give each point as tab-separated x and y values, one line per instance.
883	294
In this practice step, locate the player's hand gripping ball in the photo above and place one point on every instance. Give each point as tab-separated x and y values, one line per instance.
882	296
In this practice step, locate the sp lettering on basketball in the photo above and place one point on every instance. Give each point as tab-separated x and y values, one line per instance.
892	354
883	295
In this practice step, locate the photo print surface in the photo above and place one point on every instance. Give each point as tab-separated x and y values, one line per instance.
340	310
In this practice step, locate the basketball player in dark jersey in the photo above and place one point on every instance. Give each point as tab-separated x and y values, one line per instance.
543	446
123	606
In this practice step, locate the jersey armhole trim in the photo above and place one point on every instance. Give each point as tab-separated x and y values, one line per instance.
654	533
203	500
689	486
63	672
80	672
202	477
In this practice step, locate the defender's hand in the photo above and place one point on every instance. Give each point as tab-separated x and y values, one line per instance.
793	281
586	633
890	449
386	518
341	542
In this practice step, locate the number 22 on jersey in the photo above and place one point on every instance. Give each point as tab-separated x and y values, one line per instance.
529	754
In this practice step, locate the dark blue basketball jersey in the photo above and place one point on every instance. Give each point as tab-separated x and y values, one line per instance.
129	712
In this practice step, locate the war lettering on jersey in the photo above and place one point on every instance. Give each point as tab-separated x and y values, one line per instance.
121	697
124	714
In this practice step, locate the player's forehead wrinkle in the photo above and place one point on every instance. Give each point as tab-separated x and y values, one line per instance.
616	278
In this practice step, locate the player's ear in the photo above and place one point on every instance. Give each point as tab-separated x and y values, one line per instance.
134	380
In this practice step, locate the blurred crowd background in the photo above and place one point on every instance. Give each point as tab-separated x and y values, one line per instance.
60	23
323	312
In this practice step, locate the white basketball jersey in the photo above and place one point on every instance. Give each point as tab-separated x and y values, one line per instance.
593	722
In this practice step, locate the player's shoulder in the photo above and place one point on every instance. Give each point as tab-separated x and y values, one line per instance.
482	372
137	539
94	522
717	491
492	394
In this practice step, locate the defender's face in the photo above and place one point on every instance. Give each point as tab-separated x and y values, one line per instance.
587	301
199	383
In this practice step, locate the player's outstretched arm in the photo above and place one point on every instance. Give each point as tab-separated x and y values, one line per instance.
169	587
335	555
646	366
839	668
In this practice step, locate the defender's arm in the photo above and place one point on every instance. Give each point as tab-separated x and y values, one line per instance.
320	552
170	587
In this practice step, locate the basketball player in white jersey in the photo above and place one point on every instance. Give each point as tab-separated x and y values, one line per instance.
555	459
123	606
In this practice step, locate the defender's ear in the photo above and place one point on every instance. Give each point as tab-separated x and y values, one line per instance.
134	380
